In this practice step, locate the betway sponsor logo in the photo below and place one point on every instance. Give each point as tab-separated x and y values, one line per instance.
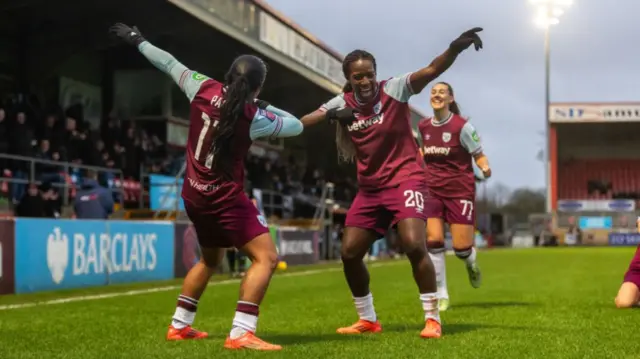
362	124
201	186
434	150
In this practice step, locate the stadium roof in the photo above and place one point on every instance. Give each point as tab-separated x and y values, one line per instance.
280	16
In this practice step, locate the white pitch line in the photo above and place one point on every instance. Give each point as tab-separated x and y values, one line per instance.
83	298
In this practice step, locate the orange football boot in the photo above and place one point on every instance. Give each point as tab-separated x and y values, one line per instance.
361	327
249	340
185	333
432	329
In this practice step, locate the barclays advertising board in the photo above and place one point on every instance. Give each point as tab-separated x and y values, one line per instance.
164	192
60	254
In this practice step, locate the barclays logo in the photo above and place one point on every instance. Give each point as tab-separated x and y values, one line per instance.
57	254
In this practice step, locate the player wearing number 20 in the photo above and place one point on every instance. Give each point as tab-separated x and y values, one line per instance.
225	118
374	129
449	145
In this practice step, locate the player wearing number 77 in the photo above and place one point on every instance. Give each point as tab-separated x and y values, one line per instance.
449	145
225	118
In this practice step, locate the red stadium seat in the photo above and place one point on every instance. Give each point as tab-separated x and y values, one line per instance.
574	175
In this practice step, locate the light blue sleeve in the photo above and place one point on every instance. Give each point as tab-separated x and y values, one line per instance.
470	140
188	81
336	102
399	88
274	122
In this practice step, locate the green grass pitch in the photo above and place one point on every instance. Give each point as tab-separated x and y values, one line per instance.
535	303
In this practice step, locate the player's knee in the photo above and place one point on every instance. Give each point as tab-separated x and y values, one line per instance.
267	259
415	248
435	246
624	302
463	253
350	253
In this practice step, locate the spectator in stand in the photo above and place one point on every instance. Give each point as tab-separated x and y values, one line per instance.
131	154
118	154
31	204
99	155
51	130
75	142
47	172
21	144
93	201
52	201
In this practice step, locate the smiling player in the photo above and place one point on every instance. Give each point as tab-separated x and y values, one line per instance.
374	129
449	146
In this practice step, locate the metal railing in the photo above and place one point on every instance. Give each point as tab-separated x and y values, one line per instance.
64	167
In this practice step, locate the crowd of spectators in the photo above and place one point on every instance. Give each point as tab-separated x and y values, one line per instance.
287	176
56	135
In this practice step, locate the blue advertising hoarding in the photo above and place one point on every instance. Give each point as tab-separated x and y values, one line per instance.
163	193
55	254
624	239
595	222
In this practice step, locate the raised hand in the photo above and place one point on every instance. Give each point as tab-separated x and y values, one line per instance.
130	35
466	39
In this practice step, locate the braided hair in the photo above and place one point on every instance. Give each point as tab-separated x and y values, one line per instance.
245	76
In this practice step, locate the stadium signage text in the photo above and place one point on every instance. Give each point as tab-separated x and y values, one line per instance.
60	254
114	253
574	113
289	42
624	239
621	205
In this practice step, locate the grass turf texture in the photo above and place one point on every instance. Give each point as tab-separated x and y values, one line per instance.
536	303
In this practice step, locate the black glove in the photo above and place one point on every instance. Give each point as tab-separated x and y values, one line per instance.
261	104
344	116
466	39
131	36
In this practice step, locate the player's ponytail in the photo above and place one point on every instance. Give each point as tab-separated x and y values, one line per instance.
242	81
347	87
454	108
237	94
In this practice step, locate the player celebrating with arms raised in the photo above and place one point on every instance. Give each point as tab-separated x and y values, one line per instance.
375	130
449	145
225	118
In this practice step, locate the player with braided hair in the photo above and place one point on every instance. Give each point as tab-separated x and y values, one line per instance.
374	129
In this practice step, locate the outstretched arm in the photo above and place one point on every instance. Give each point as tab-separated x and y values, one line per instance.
421	78
320	114
188	81
273	122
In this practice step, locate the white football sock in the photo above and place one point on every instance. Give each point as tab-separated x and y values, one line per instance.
438	260
364	307
245	320
430	306
185	312
471	259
